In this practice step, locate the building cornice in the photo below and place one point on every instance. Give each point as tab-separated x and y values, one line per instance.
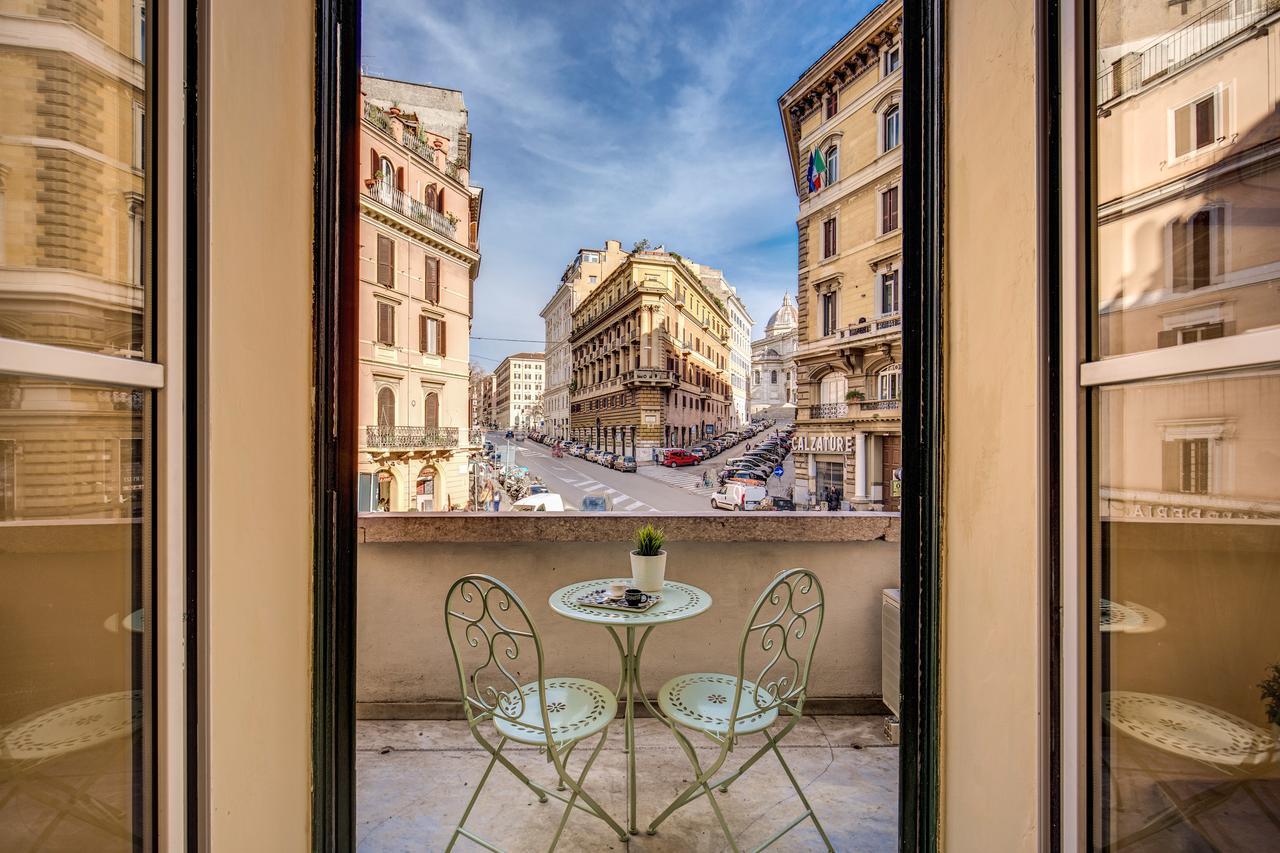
427	237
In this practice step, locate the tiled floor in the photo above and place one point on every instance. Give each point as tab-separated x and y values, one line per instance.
414	779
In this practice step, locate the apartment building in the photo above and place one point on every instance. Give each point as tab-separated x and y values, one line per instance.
588	268
650	348
740	324
773	364
419	255
843	125
518	386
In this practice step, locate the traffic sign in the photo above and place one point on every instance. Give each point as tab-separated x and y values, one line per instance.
777	472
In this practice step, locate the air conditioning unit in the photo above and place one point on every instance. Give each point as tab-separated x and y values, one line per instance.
891	658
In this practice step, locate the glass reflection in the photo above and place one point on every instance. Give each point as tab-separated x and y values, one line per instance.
1188	172
1188	578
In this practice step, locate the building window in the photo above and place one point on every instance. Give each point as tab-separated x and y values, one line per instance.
386	172
891	126
833	164
430	335
890	301
889	384
431	410
833	388
139	135
386	261
889	210
386	323
386	407
1197	247
756	378
829	238
773	377
833	104
431	276
829	483
8	479
1195	125
892	59
828	313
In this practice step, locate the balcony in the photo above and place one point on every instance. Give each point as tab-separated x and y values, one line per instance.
417	763
401	438
649	376
887	405
828	411
388	196
869	330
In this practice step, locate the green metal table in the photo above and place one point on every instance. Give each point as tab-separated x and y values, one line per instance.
679	601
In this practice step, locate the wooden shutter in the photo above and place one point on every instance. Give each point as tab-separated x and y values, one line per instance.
386	408
386	323
440	338
423	320
432	277
386	261
431	410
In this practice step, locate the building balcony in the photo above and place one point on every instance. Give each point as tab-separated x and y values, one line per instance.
390	197
828	411
411	438
886	405
410	719
654	376
867	331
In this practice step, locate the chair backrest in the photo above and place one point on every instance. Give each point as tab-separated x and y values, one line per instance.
492	638
782	631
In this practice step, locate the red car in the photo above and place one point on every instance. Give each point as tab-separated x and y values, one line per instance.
675	458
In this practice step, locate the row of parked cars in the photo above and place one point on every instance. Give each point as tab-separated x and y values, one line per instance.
743	478
675	457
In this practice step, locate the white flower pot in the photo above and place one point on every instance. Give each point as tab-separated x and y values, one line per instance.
648	573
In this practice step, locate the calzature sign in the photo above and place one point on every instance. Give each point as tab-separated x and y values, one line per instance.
824	444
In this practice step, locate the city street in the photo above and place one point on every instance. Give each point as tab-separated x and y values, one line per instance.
651	489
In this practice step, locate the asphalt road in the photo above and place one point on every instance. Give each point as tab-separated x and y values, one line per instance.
575	478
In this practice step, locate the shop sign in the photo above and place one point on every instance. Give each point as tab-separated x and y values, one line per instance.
824	443
1116	508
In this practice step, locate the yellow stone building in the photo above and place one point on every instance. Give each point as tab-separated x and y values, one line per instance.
843	126
650	358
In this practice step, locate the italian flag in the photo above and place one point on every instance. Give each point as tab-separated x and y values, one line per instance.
817	170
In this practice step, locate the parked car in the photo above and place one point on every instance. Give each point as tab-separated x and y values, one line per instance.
590	454
739	496
606	459
597	503
538	489
676	458
699	452
783	504
625	463
510	434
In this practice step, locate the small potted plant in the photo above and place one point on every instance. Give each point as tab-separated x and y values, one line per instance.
855	394
648	560
1270	687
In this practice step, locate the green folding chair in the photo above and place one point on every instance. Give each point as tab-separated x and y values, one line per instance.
489	628
785	623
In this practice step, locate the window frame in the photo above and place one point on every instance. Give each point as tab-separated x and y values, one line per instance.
893	190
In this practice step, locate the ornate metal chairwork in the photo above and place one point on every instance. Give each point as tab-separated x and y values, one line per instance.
488	629
782	630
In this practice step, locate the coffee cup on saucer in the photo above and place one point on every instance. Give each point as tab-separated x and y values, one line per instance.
617	590
633	597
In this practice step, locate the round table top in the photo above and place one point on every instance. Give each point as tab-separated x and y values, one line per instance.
679	601
1128	618
72	726
1190	729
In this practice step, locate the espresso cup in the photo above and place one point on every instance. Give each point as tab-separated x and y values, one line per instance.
633	597
617	589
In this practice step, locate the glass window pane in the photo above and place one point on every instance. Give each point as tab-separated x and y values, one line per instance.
75	570
1187	577
1187	184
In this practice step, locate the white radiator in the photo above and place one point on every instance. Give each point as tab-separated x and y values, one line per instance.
891	649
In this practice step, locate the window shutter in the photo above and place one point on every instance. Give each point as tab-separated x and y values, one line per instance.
1204	123
422	332
1167	339
1182	131
440	336
1213	330
373	162
1170	466
386	261
432	277
386	324
431	410
1178	248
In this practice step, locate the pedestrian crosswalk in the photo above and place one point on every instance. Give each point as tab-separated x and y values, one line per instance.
689	479
622	502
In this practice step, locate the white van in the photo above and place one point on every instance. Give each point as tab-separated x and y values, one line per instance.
545	502
739	496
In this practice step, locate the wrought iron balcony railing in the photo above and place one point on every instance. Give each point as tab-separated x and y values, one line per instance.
649	376
411	437
872	328
873	405
825	411
387	195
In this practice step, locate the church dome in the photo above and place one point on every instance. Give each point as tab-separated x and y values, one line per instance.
785	319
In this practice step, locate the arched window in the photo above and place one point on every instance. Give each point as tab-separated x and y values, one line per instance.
773	377
756	380
386	407
833	388
891	128
889	383
431	409
833	164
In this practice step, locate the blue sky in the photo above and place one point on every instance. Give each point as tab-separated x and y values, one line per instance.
599	120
